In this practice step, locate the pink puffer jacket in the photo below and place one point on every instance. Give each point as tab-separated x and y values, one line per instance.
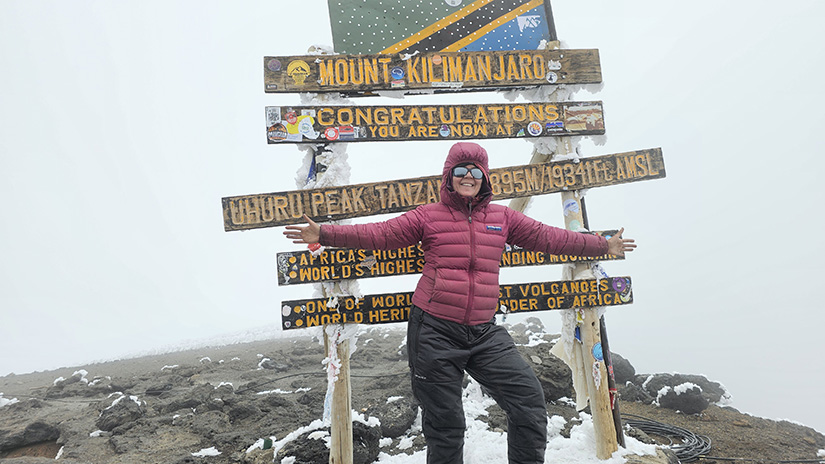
463	242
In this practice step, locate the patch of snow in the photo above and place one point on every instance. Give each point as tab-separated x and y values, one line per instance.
207	452
6	402
683	388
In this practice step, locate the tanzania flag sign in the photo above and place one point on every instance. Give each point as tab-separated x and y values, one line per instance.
409	26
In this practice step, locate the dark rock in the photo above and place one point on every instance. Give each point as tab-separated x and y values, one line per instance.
552	372
712	391
623	371
158	388
396	417
210	424
633	392
243	410
202	393
274	402
269	364
122	410
522	331
178	404
314	450
688	401
35	432
364	443
496	419
306	450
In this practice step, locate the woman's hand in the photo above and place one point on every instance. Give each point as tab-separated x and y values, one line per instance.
310	233
616	245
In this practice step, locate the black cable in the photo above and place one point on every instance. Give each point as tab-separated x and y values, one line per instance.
692	446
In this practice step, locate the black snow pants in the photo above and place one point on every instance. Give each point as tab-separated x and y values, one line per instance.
440	352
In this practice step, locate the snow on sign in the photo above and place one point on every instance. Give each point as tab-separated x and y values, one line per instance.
334	203
359	75
313	124
395	307
334	264
409	26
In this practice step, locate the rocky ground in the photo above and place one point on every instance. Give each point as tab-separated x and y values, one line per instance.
232	399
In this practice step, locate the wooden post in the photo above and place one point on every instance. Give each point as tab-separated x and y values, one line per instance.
340	451
340	429
605	431
591	357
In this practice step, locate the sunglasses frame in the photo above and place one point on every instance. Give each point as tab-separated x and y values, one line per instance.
471	171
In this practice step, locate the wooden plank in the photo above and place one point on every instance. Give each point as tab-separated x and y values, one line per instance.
322	124
334	264
334	203
515	298
357	75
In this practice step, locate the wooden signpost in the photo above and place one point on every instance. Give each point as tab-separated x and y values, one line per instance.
356	75
283	208
455	47
333	264
321	124
395	307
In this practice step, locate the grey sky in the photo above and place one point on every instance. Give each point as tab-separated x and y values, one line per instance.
122	124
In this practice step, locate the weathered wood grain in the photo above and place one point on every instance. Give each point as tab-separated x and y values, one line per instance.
281	208
515	298
335	123
356	75
334	264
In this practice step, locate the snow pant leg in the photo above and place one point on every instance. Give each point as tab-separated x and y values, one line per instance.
498	366
437	369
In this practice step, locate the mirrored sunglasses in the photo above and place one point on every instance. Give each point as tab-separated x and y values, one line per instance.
462	171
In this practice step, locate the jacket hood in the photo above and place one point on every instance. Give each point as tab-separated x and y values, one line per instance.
465	152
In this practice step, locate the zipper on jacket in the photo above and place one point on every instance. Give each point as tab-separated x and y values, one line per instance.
471	269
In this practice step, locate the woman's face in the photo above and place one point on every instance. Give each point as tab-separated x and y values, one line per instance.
466	185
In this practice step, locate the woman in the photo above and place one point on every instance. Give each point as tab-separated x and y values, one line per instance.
451	327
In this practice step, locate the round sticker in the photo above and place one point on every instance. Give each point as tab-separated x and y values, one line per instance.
331	133
436	59
534	128
552	77
598	355
444	130
397	72
285	310
619	285
291	117
274	65
453	2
